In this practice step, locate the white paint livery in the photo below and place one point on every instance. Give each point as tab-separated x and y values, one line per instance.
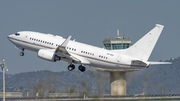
54	48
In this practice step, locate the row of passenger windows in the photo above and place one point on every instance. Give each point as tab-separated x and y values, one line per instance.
100	56
73	49
41	41
87	53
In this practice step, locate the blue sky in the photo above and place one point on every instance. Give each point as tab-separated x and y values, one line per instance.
88	21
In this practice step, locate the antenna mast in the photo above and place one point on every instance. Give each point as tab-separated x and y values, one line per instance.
118	33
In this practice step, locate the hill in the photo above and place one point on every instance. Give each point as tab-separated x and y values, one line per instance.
157	79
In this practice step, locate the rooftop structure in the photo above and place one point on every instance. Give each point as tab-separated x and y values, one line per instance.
117	43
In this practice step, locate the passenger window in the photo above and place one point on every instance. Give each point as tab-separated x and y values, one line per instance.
74	49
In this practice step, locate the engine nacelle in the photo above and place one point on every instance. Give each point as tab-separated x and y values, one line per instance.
48	55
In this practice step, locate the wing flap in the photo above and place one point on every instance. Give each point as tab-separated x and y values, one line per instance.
79	59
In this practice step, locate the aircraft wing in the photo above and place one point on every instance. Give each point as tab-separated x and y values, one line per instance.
80	59
63	53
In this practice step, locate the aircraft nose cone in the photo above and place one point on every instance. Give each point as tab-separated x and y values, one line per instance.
9	37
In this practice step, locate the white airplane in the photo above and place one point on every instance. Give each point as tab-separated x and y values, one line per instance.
56	48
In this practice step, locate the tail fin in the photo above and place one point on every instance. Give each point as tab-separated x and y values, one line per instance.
142	48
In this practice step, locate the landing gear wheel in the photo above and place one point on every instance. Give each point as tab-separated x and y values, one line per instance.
71	67
81	68
21	53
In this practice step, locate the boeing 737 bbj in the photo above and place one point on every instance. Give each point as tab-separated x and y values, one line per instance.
56	48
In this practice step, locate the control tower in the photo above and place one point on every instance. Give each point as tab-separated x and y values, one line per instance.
117	43
117	77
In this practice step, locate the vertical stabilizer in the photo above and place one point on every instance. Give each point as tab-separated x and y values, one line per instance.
142	49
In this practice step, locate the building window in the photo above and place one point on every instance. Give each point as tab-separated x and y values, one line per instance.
107	46
126	45
117	46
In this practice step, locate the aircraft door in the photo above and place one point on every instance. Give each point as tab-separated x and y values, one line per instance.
27	36
118	59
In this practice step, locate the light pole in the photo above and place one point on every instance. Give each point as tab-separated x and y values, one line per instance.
3	67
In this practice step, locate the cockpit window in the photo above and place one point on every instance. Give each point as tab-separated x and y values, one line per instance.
17	34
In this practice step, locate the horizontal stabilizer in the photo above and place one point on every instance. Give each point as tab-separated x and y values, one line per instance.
139	62
156	63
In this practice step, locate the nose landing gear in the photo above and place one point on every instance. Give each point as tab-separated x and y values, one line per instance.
22	53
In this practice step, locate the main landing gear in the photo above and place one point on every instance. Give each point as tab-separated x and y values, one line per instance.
22	53
72	67
81	68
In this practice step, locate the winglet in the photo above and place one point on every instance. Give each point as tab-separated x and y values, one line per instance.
158	25
64	44
62	47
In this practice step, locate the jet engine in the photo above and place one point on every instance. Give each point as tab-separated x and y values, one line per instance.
48	55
